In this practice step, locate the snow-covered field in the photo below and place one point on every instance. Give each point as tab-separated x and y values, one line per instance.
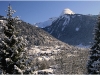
44	52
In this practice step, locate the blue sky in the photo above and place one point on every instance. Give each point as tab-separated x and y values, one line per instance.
39	11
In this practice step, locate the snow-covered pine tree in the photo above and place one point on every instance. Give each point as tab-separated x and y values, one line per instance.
93	66
12	58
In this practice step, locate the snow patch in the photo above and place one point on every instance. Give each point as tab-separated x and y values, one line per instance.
18	69
79	15
8	59
1	21
36	26
77	29
45	70
59	35
63	28
67	19
71	55
65	22
51	31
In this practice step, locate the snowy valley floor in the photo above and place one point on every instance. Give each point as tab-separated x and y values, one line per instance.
59	59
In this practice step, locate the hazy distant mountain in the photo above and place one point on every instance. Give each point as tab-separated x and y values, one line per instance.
46	23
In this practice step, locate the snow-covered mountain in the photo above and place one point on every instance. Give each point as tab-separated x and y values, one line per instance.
46	23
51	20
74	29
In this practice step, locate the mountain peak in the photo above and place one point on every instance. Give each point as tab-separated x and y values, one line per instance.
67	11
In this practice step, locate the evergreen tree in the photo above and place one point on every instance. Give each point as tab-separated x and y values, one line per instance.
12	58
93	65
